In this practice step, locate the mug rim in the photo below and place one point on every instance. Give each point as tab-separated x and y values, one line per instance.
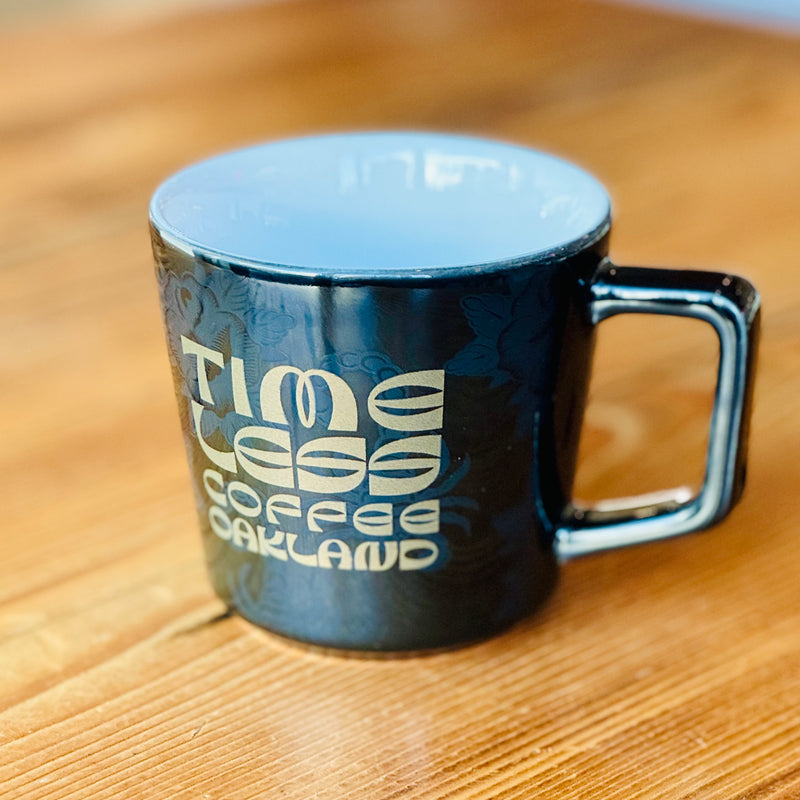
286	271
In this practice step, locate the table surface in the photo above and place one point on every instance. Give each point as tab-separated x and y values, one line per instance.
669	670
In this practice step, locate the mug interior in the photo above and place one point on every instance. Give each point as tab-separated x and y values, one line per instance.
380	203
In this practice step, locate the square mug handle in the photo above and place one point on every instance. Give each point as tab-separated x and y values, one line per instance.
731	306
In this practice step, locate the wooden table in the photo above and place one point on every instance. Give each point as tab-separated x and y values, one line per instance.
665	671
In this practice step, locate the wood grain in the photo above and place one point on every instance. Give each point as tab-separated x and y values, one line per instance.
666	671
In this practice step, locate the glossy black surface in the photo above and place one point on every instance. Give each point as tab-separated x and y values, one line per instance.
488	480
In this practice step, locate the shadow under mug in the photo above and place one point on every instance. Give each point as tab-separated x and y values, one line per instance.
381	347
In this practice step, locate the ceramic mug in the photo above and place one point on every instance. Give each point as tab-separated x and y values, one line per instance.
381	346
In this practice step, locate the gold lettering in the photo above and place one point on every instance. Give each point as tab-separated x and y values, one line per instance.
342	552
217	494
244	535
421	517
220	523
413	562
344	454
422	455
286	504
374	519
327	511
344	413
272	546
420	412
368	556
306	559
251	509
202	354
272	466
224	460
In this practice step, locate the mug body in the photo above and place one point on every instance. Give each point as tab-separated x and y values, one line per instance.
380	346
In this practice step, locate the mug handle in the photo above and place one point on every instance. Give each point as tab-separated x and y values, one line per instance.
731	306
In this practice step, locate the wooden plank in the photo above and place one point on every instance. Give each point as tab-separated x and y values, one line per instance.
657	672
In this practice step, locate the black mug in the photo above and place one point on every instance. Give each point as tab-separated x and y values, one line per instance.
381	346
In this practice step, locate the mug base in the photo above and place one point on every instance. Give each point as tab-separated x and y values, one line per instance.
386	650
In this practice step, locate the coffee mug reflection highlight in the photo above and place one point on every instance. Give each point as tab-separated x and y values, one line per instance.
381	347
